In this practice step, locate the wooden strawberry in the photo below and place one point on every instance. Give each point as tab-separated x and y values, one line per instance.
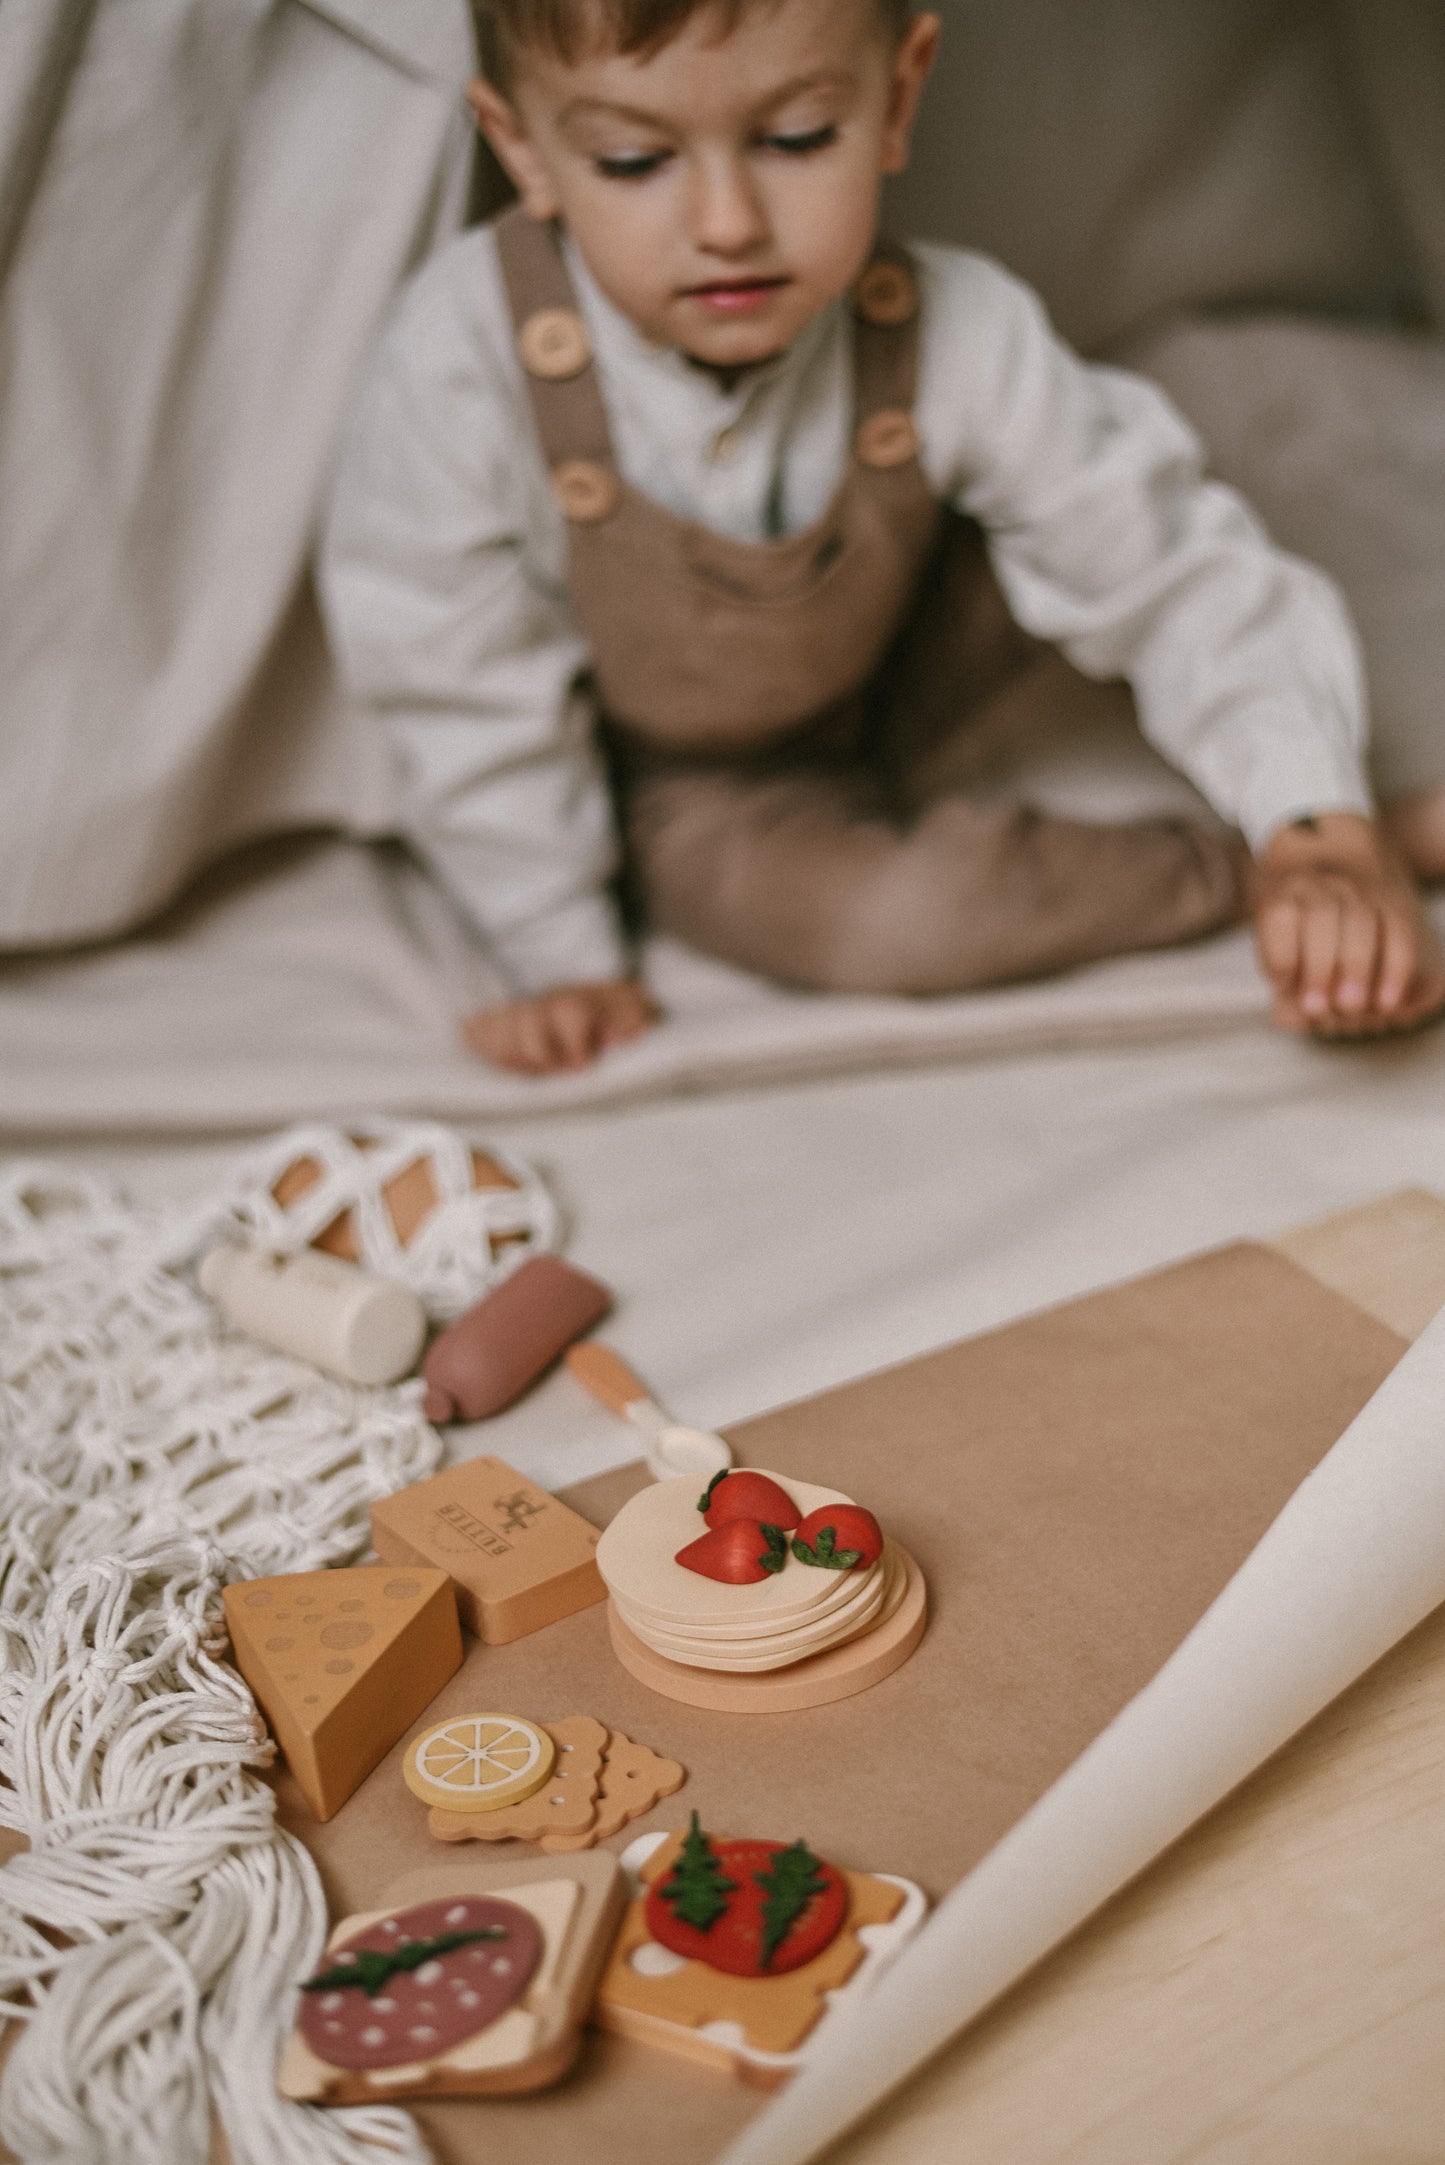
838	1537
750	1908
742	1553
748	1495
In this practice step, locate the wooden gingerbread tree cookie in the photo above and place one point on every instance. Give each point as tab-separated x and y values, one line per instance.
633	1780
563	1805
600	1781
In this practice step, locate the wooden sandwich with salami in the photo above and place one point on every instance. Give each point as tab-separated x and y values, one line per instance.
469	1979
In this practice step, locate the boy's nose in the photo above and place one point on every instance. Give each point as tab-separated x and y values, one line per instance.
729	218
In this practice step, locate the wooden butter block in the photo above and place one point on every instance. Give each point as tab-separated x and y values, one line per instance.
517	1558
342	1663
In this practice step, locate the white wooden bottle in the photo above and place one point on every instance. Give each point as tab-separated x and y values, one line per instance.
339	1317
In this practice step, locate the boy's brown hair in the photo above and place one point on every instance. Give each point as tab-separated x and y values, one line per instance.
571	28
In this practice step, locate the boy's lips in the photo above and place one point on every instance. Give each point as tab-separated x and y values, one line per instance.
735	296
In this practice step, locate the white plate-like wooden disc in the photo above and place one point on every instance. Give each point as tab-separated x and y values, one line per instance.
842	1590
636	1558
818	1681
775	1649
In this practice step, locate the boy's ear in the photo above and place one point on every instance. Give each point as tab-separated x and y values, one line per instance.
502	125
911	63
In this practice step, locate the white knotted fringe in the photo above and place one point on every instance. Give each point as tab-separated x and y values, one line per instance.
151	1936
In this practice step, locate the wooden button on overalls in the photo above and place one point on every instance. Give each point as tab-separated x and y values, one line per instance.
586	491
554	345
887	439
886	294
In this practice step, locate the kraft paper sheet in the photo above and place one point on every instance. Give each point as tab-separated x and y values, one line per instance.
1081	1489
1353	1563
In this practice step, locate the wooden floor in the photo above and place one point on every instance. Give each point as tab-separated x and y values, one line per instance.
1273	1992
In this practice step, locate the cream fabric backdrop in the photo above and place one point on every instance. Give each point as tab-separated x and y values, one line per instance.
214	222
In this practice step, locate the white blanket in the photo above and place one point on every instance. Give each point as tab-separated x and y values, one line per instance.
319	978
320	981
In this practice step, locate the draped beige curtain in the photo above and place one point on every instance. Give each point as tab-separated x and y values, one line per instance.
205	208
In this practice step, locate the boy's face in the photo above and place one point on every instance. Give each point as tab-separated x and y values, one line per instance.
723	189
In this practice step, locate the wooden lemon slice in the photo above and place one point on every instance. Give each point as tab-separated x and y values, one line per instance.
478	1762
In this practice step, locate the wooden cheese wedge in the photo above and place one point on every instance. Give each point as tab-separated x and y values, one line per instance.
342	1663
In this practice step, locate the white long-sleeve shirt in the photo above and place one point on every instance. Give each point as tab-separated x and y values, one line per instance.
444	567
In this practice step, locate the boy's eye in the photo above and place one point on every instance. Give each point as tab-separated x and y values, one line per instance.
798	143
630	165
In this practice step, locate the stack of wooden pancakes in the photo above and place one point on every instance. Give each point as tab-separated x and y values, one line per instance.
687	1634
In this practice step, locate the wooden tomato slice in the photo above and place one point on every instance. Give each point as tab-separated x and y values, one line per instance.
411	1986
751	1908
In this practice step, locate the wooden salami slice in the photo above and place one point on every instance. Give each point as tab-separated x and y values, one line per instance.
447	1969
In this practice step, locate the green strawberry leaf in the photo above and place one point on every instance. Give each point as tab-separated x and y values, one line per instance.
827	1554
706	1497
777	1554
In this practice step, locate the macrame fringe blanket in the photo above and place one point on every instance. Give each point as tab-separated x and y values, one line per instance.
151	1931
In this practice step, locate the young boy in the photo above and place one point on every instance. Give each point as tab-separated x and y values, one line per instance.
676	469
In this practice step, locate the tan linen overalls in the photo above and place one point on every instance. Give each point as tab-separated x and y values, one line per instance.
791	722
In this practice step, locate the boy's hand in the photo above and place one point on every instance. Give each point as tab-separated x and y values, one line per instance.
1341	931
564	1028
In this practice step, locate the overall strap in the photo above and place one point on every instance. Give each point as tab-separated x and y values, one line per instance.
885	358
556	354
566	401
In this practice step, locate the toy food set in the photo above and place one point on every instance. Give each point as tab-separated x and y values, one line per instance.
735	1952
563	1784
1079	1486
668	1446
489	1356
339	1317
342	1663
763	1594
467	1980
518	1558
